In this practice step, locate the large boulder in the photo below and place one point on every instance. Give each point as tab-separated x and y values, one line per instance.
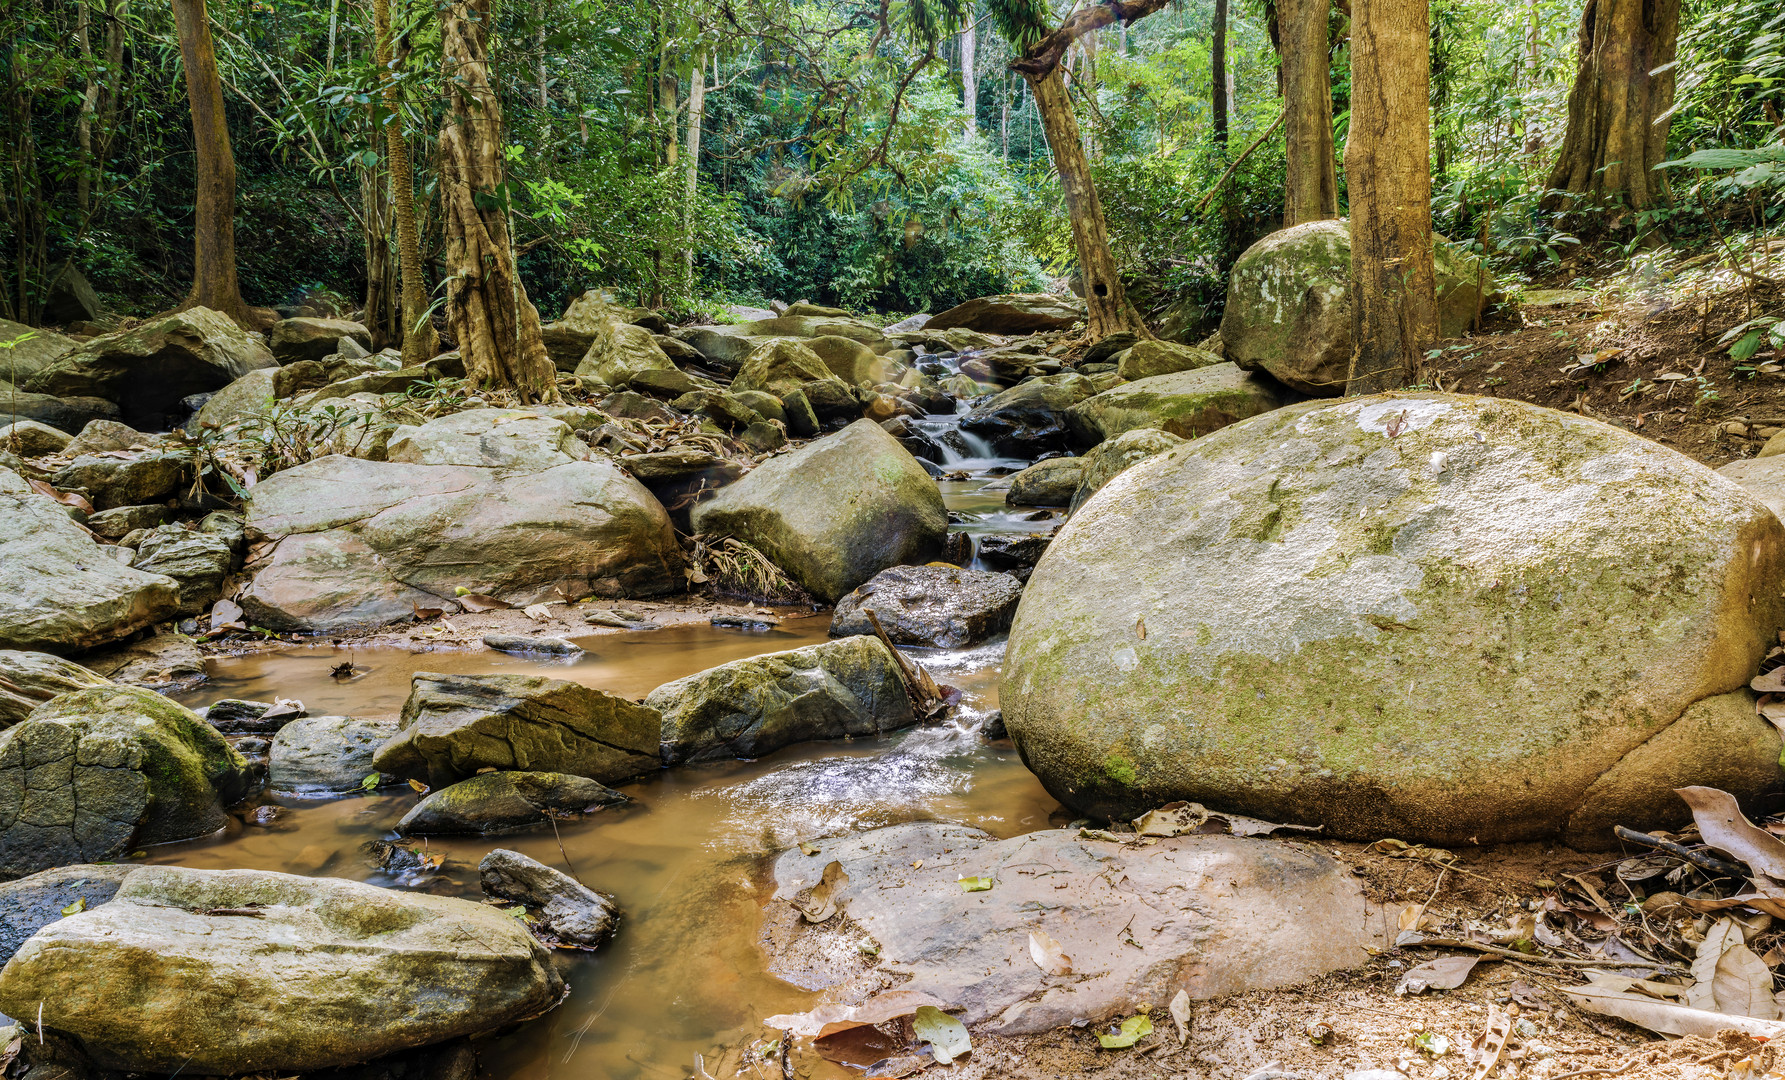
251	395
127	478
164	663
489	438
1147	358
325	755
322	973
197	561
1763	478
1207	916
849	360
292	340
71	298
1429	616
1046	483
751	707
33	902
68	414
723	347
780	367
1107	459
455	725
366	542
835	512
28	679
943	607
1186	403
618	356
95	774
59	590
1030	418
1015	313
30	351
680	476
505	801
147	370
1289	308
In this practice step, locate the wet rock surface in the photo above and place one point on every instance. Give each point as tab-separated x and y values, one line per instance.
214	970
505	801
28	679
455	725
325	755
31	903
941	607
566	910
95	774
1186	403
1209	915
748	708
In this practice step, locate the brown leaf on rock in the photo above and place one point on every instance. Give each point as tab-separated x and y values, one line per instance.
830	1019
1730	979
472	601
1769	682
822	903
66	498
1048	955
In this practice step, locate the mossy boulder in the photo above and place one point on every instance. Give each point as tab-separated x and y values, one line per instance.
1046	483
781	366
148	369
326	755
455	725
305	338
1108	459
1147	358
94	774
1289	309
622	352
1185	403
325	973
1012	313
1436	617
750	707
32	350
835	512
506	801
848	359
945	607
1030	418
251	395
127	478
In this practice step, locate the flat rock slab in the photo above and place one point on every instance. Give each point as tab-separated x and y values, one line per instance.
1209	915
32	903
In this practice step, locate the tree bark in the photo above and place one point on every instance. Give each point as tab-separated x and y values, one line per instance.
1533	38
1310	183
1613	142
214	282
969	78
1106	304
384	316
414	332
496	326
697	105
1218	74
1394	311
83	126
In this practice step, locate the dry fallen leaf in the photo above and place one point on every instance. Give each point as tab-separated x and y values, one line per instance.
1444	973
472	601
538	612
1721	822
830	1019
1180	1015
1730	979
1609	997
1048	955
822	904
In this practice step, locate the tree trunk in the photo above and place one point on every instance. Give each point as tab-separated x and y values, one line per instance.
666	98
1394	311
415	331
1613	141
1105	302
1218	74
1310	185
495	324
969	78
1533	38
384	316
697	104
214	234
83	126
1004	120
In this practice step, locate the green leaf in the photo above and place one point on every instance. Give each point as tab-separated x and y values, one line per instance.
976	884
1132	1030
1746	347
76	908
370	783
947	1036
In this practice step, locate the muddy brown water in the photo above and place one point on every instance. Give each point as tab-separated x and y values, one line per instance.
686	859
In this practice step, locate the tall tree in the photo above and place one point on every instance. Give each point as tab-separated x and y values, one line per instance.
697	109
214	282
1218	75
1617	111
970	76
1310	184
1023	22
415	332
1394	310
496	326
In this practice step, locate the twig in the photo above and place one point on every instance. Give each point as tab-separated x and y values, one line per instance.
1203	203
1696	858
562	852
1560	961
1597	1072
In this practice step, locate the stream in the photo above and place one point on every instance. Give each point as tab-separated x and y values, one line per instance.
687	858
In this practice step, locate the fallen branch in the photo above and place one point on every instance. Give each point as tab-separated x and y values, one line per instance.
1514	954
925	695
1256	143
1696	858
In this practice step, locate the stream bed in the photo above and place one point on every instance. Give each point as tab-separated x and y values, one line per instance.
686	859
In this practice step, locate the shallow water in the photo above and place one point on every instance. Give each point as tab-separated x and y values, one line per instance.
686	859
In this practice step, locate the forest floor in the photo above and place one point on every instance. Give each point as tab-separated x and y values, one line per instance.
1643	351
